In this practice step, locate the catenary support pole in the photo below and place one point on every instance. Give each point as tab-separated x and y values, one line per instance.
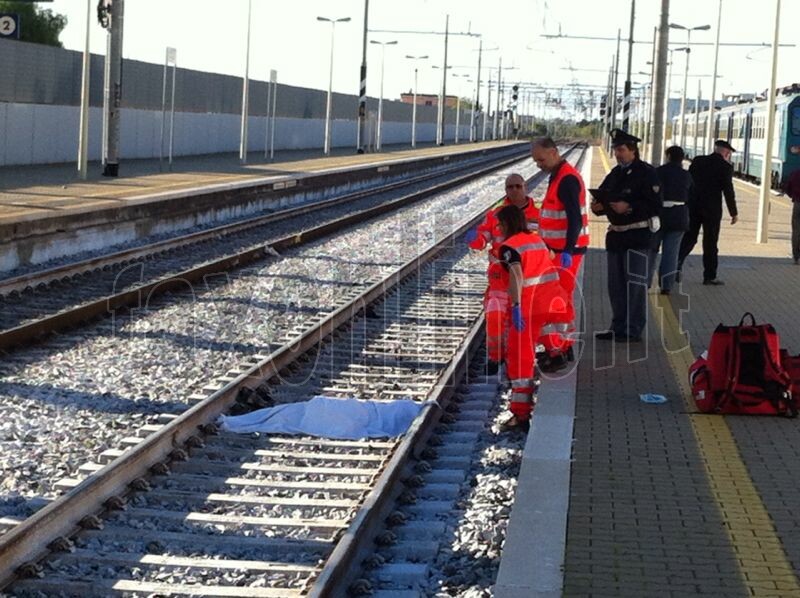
660	80
83	130
626	109
245	91
361	133
762	230
114	89
711	107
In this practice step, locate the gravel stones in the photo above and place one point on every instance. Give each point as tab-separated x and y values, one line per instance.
67	400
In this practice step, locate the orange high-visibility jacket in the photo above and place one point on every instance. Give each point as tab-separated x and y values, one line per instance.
541	286
553	222
489	234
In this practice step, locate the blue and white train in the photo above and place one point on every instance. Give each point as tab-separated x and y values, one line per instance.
743	126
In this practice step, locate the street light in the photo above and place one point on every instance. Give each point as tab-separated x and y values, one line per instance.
442	115
458	105
380	101
333	22
414	107
686	71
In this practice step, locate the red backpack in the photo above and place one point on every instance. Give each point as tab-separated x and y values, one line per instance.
791	363
742	373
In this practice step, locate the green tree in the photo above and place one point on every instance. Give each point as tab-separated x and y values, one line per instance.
37	25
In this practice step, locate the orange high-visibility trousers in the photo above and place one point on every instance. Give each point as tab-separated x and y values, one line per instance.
557	335
495	304
520	365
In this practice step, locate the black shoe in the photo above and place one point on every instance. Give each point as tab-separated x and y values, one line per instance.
492	367
570	354
713	281
665	291
554	364
515	424
624	338
607	335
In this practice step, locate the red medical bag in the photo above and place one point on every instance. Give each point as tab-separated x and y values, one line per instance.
742	373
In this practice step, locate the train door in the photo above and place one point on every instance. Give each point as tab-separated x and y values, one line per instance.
748	130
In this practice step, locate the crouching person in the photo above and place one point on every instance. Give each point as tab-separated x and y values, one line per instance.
532	288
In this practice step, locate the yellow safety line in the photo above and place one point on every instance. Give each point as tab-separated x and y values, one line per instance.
761	557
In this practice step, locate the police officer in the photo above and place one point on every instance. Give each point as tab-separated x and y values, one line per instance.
630	199
712	176
676	188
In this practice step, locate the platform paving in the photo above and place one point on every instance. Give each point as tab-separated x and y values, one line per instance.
665	501
662	500
43	191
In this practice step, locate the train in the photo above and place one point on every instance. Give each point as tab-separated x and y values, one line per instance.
743	126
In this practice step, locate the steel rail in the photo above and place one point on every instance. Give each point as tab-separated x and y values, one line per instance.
29	541
70	318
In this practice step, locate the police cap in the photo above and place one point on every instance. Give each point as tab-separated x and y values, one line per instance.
620	137
724	144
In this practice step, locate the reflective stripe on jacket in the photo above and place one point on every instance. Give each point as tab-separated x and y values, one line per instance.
541	287
553	224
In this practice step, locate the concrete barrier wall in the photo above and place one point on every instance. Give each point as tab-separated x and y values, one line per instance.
40	93
41	134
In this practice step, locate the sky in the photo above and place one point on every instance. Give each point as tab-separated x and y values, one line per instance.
286	36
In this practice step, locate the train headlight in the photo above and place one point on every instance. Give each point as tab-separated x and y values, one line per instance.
795	149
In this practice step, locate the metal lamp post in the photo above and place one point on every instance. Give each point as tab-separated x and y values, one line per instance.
83	131
442	115
458	106
686	72
380	100
245	89
327	148
414	107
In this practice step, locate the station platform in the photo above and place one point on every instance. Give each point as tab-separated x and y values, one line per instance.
622	498
36	192
46	213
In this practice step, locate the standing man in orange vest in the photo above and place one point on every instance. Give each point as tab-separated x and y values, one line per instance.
533	286
495	300
564	227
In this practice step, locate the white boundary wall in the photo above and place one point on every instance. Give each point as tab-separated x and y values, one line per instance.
43	133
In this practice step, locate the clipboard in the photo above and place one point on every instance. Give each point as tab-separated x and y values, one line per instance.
604	196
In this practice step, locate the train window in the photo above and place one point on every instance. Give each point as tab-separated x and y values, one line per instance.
796	120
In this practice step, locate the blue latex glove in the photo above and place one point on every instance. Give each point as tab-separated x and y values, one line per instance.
472	235
516	318
566	260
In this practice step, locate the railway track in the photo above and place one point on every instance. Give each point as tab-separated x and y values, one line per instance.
37	304
188	511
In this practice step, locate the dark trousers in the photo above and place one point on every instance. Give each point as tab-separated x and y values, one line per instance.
710	226
796	230
627	290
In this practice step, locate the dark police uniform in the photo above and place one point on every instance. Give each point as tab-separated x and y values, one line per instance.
676	188
628	241
713	177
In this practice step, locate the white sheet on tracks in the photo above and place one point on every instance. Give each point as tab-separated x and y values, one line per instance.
329	417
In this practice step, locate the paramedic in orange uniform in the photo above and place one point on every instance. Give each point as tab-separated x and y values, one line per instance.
564	227
533	286
487	234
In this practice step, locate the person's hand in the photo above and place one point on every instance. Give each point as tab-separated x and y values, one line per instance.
596	207
516	318
734	219
552	255
620	207
472	235
566	260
